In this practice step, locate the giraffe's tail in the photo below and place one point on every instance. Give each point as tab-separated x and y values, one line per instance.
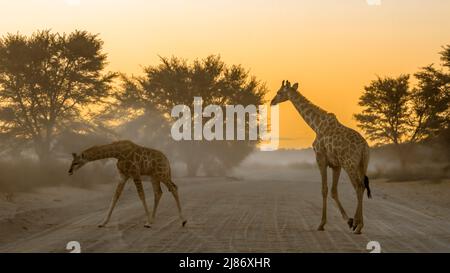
365	163
366	184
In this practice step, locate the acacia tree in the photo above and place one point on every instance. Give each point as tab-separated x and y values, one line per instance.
46	82
135	118
176	82
386	114
430	104
445	56
394	113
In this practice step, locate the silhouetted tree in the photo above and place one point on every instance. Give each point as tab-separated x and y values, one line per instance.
137	119
445	56
445	132
386	114
46	82
430	104
395	114
175	82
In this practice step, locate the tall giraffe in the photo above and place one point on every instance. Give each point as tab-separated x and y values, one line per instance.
133	161
336	146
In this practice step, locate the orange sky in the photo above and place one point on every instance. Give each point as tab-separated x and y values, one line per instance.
331	47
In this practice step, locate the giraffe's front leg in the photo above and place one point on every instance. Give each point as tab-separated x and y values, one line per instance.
140	190
116	196
322	163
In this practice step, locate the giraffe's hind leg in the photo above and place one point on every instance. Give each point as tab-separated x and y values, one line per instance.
174	190
357	223
334	193
157	196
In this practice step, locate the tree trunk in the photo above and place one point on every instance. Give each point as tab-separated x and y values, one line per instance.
402	151
43	145
42	149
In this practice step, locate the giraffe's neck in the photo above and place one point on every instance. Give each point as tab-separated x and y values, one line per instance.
114	150
312	114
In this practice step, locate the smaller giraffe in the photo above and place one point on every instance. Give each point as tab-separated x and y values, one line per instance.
336	146
133	161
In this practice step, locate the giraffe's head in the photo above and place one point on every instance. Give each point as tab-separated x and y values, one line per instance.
78	161
283	93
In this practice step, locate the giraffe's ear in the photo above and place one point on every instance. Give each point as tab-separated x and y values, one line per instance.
74	155
295	86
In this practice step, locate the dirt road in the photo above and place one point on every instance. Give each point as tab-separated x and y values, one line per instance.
264	212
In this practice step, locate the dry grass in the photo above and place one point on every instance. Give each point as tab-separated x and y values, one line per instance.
27	174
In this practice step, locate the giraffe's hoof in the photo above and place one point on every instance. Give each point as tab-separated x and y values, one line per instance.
101	226
357	227
321	228
184	223
147	226
350	222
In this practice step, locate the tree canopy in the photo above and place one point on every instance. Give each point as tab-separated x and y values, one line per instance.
386	113
176	82
395	113
46	82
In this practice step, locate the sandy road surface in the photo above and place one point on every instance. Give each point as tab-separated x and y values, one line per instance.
262	213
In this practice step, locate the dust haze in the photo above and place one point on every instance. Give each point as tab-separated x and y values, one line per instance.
235	197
